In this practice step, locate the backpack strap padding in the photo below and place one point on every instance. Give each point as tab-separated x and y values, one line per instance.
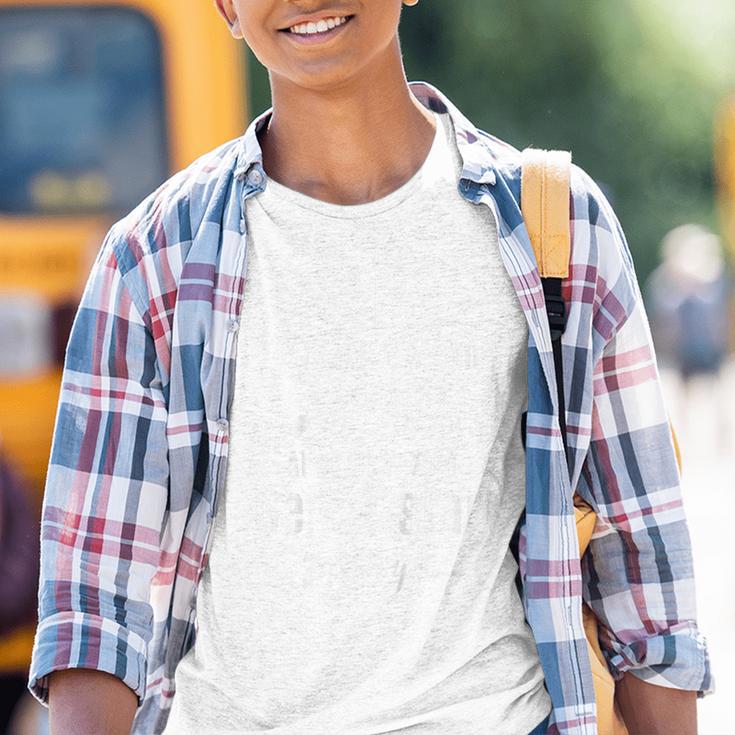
545	205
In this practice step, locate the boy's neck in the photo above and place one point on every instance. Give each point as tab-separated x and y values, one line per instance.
352	143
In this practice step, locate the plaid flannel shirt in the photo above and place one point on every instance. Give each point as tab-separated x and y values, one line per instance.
140	443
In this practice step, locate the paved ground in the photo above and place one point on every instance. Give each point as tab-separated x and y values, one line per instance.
705	421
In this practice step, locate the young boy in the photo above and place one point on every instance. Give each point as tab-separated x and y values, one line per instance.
288	463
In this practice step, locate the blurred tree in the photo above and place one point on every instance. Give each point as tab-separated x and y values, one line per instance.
622	85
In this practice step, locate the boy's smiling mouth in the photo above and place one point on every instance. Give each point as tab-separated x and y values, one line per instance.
316	30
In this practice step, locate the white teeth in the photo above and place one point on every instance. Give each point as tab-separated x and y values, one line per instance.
324	24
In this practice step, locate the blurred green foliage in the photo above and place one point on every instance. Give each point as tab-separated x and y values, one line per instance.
630	87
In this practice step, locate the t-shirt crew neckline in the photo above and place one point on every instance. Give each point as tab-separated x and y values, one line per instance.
350	211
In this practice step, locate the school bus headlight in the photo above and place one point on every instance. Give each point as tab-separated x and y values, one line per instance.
52	191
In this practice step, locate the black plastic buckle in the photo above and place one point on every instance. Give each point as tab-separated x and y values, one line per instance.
557	315
555	307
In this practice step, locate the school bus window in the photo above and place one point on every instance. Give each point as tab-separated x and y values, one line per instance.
82	123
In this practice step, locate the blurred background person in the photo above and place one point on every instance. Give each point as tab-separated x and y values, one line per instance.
689	296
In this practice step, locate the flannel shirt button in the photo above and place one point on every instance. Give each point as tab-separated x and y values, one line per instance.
232	325
223	424
255	177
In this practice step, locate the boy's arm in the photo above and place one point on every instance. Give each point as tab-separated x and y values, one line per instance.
638	571
106	491
648	709
88	702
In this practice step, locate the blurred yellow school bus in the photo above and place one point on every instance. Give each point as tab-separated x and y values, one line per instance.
725	167
100	102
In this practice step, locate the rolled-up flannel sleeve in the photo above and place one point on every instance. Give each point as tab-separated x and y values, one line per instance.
106	490
638	572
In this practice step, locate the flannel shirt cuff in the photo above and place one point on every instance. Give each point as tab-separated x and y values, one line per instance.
76	640
677	659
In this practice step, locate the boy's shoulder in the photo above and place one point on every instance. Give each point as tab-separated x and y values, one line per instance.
598	239
151	245
508	162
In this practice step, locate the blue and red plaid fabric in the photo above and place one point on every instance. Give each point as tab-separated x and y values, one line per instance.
140	445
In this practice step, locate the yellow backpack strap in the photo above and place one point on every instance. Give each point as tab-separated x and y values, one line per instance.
545	185
545	205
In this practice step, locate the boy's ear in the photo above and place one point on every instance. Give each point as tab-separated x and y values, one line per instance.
227	11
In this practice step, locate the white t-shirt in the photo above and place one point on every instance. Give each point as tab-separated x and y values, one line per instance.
359	579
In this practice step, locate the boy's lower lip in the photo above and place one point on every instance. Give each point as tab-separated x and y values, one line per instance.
308	39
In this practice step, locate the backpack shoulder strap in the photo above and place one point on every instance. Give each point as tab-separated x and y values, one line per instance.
545	177
545	187
545	206
545	184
